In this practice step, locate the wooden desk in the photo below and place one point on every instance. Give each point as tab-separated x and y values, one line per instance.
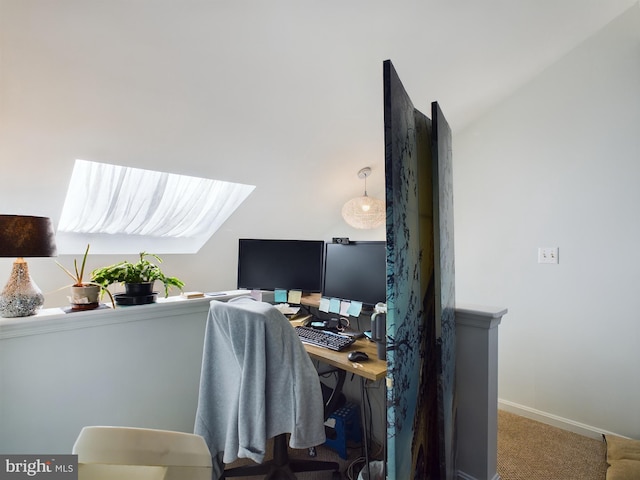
311	300
372	369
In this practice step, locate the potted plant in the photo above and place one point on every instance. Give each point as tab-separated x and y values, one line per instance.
138	279
84	295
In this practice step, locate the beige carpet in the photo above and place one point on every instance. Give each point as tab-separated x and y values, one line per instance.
527	450
530	450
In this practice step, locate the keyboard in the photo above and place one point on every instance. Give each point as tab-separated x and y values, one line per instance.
323	338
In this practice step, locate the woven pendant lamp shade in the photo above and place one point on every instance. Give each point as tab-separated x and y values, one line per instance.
364	212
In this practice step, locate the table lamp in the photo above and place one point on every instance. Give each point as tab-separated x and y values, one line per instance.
24	236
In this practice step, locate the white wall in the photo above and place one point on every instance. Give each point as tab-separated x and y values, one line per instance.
558	164
290	102
137	367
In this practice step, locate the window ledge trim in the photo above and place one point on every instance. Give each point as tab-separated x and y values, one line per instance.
51	320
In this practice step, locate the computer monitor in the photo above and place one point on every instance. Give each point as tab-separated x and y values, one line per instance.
280	264
356	271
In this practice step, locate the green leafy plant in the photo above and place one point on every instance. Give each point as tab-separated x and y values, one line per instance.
143	271
77	275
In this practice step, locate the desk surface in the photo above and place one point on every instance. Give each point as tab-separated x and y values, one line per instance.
372	369
311	300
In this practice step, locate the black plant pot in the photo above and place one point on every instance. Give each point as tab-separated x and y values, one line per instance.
138	289
136	294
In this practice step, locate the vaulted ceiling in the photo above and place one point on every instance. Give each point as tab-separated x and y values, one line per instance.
481	51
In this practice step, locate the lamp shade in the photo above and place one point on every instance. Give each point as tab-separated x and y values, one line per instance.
364	212
23	236
26	236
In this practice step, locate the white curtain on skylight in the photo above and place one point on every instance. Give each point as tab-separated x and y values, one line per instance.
115	200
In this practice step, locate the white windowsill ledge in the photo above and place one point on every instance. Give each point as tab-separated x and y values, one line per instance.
51	320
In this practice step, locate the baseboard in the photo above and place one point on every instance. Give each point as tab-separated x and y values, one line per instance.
464	476
554	420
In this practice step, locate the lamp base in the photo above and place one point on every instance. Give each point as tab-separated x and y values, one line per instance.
21	297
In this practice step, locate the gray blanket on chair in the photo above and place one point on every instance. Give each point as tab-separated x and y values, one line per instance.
257	381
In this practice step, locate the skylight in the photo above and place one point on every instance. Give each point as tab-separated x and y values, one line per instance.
128	210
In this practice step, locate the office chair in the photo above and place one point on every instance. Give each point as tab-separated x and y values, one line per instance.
258	382
125	453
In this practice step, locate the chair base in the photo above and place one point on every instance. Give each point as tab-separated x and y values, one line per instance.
282	472
282	467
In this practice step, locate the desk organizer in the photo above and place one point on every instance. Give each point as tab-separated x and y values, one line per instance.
347	428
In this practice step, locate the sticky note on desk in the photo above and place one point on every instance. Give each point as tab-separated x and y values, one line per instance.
280	296
324	305
344	307
294	296
354	309
334	305
256	294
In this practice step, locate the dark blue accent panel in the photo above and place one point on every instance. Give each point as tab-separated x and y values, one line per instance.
420	293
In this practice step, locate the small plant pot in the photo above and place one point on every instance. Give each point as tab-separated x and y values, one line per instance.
85	297
136	294
138	289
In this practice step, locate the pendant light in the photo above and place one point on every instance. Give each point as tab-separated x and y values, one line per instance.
364	212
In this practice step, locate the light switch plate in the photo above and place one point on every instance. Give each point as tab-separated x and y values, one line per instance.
548	255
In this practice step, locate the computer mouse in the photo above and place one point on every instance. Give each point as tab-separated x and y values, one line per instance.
357	356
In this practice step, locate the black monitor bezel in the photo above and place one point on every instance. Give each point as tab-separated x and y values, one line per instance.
272	284
366	301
